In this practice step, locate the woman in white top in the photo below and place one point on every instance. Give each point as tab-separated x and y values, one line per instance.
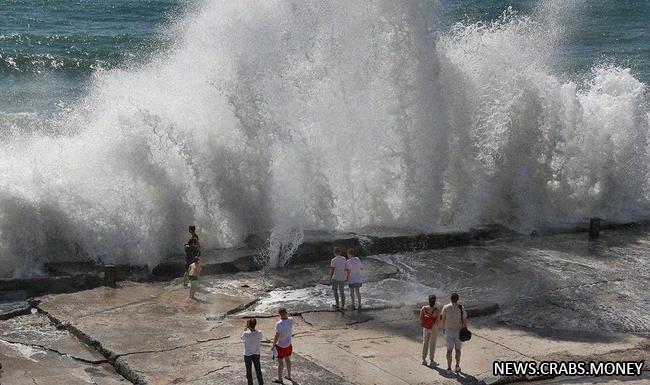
252	339
354	268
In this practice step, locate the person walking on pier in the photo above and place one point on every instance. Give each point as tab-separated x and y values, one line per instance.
192	251
355	276
454	318
338	276
282	348
429	317
252	339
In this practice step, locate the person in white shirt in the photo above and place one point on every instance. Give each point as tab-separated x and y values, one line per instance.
354	269
454	318
282	344
338	276
252	339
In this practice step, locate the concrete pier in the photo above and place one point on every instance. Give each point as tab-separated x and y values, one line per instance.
542	298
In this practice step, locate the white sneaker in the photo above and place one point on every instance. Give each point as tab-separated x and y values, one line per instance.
457	370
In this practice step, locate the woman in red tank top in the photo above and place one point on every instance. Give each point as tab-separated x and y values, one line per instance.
429	317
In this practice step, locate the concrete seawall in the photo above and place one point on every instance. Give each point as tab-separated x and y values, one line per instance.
317	245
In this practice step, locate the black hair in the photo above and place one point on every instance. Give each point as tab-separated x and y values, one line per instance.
432	300
454	297
192	229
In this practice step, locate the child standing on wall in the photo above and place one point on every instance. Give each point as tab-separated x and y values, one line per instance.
193	274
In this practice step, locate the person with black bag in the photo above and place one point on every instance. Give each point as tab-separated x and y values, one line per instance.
454	319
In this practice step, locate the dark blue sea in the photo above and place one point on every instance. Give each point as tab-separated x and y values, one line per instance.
49	49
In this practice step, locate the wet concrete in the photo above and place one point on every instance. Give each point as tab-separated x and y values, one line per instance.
69	276
37	331
34	351
47	284
559	297
34	366
14	303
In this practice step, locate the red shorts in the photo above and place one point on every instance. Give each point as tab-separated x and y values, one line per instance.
284	352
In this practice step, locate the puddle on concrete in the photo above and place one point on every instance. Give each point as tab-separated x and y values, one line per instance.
559	282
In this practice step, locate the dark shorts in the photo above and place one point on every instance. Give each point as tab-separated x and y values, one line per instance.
353	285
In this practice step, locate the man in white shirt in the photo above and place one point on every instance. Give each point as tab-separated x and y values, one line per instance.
454	318
282	344
338	276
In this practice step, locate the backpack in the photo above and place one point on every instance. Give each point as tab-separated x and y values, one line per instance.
426	320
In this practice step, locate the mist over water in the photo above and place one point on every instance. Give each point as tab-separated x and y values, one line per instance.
281	116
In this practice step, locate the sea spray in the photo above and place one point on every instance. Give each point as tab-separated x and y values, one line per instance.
278	117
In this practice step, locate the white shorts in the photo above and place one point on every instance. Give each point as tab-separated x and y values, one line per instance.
452	337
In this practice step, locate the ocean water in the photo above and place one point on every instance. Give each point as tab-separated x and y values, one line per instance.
51	49
123	121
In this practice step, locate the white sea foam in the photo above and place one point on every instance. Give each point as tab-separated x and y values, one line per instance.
280	116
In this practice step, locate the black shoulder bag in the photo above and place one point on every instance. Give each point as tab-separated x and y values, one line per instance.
465	334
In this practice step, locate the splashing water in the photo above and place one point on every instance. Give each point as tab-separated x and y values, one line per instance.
281	116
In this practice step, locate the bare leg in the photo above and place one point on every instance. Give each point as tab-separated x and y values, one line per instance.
280	368
288	359
457	357
352	296
449	359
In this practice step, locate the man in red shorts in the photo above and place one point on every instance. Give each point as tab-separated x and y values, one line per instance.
282	344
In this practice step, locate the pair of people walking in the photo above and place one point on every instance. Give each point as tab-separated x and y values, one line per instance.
344	269
451	319
282	348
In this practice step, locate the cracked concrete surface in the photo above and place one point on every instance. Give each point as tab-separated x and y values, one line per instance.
560	298
32	351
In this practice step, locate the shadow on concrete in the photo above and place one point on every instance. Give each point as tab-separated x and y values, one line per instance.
462	378
291	381
199	300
